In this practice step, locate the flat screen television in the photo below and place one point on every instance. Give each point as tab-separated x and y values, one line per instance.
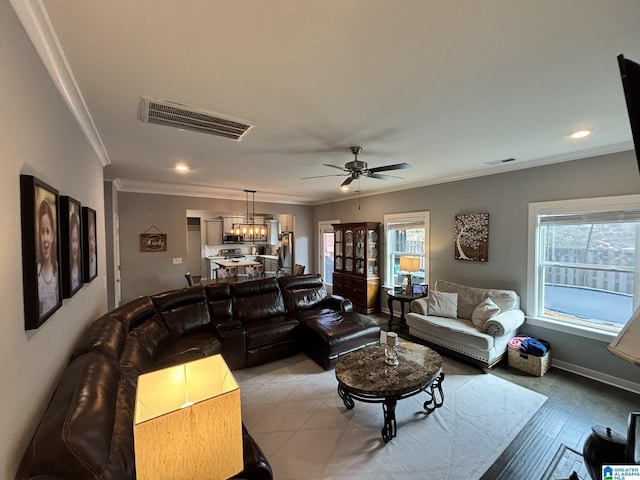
630	74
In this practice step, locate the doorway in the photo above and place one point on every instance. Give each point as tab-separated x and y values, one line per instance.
325	252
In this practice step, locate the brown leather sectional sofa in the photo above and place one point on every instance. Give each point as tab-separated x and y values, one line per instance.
86	431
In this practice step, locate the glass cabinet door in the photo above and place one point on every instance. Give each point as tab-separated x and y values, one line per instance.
338	252
348	250
360	250
372	251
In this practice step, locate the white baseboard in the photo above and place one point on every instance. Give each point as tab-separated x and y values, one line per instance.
598	376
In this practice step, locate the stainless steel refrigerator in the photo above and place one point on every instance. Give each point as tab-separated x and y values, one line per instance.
285	253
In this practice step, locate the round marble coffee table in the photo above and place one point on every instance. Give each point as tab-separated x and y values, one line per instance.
363	375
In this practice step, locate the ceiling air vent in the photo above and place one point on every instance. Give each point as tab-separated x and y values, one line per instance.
162	112
498	162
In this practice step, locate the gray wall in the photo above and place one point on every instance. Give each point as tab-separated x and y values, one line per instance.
147	273
111	208
506	197
38	136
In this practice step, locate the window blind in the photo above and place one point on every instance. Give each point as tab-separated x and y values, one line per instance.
581	218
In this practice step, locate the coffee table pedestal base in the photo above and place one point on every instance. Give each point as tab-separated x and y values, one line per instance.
389	402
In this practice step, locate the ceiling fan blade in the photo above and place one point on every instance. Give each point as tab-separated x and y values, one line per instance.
347	181
384	168
380	176
335	166
320	176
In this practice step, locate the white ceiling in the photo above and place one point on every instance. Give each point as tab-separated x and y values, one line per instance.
445	86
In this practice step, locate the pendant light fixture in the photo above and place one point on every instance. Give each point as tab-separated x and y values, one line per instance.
252	230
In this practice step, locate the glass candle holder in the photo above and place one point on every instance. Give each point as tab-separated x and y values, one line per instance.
391	349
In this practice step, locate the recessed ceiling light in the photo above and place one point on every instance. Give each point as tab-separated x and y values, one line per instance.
344	188
181	167
583	132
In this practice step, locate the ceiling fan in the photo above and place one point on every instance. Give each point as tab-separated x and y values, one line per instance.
357	169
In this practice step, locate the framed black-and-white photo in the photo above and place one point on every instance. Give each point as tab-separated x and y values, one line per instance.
40	250
89	245
70	245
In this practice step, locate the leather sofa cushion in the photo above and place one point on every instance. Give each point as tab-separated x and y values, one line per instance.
272	330
256	466
302	291
86	431
257	300
183	310
219	302
189	347
135	312
311	313
153	335
341	331
106	335
135	358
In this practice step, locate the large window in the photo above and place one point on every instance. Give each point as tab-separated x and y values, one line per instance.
584	270
407	234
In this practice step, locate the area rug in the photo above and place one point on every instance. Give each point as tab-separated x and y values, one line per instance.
292	409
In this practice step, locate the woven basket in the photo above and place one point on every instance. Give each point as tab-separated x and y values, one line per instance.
531	364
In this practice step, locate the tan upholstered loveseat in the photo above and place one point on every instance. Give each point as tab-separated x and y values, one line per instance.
475	323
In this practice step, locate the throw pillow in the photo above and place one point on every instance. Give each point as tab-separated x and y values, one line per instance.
442	304
486	310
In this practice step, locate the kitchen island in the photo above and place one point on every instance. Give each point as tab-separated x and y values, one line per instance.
237	262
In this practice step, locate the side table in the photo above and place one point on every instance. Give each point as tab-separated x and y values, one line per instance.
403	298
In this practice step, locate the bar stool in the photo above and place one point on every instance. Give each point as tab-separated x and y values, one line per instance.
250	272
227	272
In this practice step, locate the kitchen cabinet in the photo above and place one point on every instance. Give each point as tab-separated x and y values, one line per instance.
214	232
272	232
356	274
229	222
286	222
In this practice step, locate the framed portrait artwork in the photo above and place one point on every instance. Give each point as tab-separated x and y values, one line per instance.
40	250
89	245
70	245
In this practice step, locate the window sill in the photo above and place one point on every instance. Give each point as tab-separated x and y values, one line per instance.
577	330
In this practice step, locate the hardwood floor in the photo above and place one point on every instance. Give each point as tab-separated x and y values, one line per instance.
574	405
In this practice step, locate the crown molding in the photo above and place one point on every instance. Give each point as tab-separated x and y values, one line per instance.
137	186
141	186
35	20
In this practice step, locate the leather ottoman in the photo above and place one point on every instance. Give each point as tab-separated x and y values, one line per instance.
328	336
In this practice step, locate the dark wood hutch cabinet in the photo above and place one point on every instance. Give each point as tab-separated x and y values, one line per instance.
356	272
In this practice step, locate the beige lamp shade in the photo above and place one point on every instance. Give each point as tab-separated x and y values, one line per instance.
409	264
627	344
188	422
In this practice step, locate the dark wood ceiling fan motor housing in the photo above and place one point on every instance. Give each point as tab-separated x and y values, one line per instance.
356	169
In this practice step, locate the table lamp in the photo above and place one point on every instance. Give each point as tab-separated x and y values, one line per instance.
627	344
603	446
188	423
409	265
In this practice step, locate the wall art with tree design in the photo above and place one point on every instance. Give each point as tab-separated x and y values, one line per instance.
471	232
